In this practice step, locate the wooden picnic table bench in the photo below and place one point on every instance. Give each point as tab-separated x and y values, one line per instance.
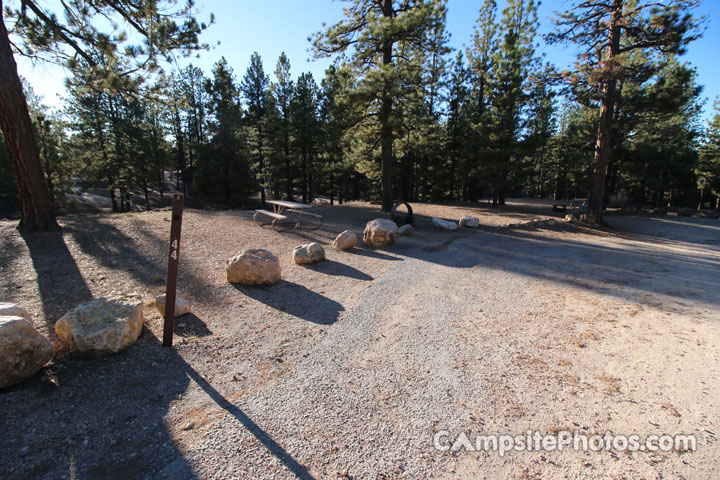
281	207
275	216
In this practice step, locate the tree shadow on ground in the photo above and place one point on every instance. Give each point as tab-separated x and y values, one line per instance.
58	275
94	417
612	260
117	250
104	418
295	299
331	267
623	269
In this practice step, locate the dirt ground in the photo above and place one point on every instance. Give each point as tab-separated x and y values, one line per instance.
348	368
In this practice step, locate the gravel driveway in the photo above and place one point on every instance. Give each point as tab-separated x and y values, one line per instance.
493	333
362	361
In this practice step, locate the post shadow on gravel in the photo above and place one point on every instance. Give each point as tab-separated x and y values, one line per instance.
263	437
58	276
101	417
295	299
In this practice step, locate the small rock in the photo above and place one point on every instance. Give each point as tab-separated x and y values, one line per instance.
309	253
345	240
181	305
23	350
254	267
444	224
570	218
189	426
406	230
550	222
12	310
660	211
469	222
104	325
380	232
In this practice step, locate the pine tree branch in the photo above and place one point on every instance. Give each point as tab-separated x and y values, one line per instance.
59	30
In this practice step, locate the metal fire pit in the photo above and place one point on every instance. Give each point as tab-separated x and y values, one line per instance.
401	218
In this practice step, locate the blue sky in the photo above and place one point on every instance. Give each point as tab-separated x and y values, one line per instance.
273	26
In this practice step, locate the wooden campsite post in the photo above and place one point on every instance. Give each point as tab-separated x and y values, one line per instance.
172	276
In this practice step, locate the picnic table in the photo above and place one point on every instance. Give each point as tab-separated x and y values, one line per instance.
281	209
561	205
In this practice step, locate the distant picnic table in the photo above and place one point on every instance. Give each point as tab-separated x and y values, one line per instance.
561	205
280	210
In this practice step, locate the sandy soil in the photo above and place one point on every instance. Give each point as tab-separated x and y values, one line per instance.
347	369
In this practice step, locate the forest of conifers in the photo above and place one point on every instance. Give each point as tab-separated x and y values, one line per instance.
493	121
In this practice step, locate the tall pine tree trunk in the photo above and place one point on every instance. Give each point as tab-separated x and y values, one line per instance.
37	208
596	201
386	134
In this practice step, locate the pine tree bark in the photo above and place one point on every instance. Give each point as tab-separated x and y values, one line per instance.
596	202
38	213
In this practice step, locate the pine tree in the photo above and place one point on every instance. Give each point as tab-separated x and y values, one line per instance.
709	166
509	92
607	33
372	33
191	101
282	90
254	89
306	129
226	163
44	36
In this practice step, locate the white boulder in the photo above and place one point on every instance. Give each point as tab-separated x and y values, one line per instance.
380	232
444	224
23	351
469	222
407	230
309	253
12	310
253	266
181	305
104	325
345	240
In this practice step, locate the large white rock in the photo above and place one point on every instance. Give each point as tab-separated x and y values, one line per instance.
407	230
253	266
345	240
444	224
23	351
380	232
104	325
469	222
12	310
309	253
181	305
